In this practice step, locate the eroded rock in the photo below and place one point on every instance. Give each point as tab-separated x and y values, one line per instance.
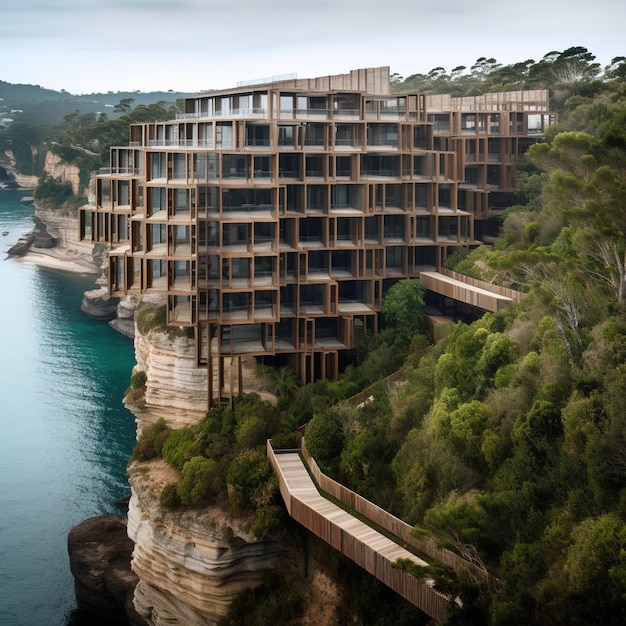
99	305
100	553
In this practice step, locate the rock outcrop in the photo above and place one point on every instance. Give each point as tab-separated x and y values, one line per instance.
124	320
39	237
61	227
176	390
60	170
100	550
193	563
98	304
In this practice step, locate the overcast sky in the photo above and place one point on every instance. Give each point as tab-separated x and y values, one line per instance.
86	46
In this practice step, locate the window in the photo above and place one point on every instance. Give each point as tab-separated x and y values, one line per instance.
286	136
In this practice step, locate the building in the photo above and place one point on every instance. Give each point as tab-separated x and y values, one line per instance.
274	216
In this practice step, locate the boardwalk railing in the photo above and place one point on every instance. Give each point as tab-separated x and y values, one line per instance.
390	523
476	293
374	552
514	295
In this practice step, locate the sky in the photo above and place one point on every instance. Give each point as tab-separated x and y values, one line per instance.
87	46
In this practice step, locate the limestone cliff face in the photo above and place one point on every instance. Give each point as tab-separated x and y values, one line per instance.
62	226
65	172
175	389
190	564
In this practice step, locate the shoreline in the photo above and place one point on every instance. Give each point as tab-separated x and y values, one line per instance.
44	257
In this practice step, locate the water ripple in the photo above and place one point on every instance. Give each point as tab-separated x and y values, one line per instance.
65	436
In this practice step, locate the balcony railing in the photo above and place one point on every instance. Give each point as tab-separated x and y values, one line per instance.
124	171
180	143
386	143
255	112
348	142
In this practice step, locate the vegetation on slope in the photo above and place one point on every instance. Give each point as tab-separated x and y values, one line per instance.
509	436
222	459
85	140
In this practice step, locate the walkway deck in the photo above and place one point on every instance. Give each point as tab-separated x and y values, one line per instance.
476	293
367	547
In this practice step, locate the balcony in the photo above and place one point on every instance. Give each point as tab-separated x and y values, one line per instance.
251	112
353	307
346	114
303	114
263	279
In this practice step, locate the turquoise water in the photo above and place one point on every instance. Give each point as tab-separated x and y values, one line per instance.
65	436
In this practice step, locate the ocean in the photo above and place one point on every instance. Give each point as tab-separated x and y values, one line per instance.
65	436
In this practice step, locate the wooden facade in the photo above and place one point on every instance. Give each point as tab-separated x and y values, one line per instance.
272	218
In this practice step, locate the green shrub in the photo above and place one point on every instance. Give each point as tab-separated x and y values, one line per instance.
277	602
169	497
266	519
150	444
49	188
177	448
138	379
201	481
249	479
325	440
286	441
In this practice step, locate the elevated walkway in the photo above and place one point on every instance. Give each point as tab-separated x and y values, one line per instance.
364	545
476	293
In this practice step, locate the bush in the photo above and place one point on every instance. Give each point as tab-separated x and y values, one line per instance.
178	446
169	497
286	441
150	444
325	440
138	379
250	480
277	602
49	188
201	481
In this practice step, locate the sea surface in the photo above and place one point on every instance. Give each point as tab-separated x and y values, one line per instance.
65	436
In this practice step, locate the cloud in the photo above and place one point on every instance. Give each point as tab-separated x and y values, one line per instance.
195	44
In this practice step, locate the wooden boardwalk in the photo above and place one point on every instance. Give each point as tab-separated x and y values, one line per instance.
364	545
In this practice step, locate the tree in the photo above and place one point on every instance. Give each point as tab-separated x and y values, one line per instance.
594	572
575	65
608	255
324	439
284	382
124	106
403	308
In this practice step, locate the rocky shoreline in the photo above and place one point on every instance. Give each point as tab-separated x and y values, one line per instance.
53	244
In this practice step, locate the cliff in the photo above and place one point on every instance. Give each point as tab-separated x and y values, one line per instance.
175	389
64	172
61	225
191	564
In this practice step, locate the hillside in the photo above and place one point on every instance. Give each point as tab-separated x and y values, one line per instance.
39	106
